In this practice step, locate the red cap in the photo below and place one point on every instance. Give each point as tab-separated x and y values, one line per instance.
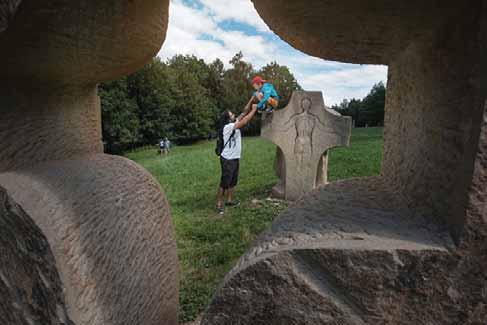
257	79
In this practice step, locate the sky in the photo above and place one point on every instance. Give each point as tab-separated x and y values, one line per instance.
213	29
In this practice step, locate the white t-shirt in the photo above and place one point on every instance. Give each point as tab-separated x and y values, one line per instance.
233	149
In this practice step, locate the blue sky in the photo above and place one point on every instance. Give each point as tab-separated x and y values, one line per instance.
213	29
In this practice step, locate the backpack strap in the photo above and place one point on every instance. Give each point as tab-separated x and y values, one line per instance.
230	138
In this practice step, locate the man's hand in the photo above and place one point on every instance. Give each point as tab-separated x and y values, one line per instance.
247	118
247	107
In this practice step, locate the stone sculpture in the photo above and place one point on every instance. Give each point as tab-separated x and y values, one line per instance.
304	131
31	291
105	218
405	247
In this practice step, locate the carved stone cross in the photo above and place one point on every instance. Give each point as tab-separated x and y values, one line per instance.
304	131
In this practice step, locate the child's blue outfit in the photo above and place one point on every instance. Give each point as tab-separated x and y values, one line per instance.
270	98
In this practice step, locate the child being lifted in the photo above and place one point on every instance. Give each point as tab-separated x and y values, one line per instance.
265	94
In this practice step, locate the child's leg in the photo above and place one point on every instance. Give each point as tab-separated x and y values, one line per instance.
271	104
267	106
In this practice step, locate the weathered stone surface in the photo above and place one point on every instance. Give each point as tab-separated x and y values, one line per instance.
407	247
279	190
376	250
434	105
475	227
31	291
304	130
357	31
38	126
353	253
105	218
79	42
110	230
8	8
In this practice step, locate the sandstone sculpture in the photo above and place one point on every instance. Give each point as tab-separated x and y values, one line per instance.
105	218
406	247
304	131
31	291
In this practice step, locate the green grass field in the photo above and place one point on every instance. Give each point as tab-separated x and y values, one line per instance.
208	245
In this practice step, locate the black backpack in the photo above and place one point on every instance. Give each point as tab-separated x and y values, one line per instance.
219	142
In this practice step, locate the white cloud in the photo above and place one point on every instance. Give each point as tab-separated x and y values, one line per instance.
194	30
190	19
242	11
349	82
187	26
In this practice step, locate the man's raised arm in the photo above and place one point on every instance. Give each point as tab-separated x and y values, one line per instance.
247	108
246	119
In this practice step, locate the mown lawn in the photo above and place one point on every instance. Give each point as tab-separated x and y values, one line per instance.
208	245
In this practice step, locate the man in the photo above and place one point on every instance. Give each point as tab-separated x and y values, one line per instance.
167	145
230	156
162	146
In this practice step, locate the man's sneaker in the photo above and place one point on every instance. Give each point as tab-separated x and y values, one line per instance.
270	109
233	204
220	210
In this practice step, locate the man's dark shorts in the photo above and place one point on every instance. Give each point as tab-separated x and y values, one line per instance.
229	173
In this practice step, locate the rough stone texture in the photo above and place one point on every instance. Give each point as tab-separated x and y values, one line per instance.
356	31
475	228
278	191
433	107
79	42
407	247
57	124
304	130
31	291
377	250
110	231
105	218
8	8
352	253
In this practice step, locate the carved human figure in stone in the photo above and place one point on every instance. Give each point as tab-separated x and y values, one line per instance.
305	124
303	131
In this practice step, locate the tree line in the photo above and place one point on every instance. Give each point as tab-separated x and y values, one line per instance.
368	111
182	99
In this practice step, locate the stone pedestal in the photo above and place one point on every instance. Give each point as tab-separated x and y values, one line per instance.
279	190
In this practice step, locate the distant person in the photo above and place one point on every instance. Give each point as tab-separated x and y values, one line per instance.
229	148
162	146
265	94
167	145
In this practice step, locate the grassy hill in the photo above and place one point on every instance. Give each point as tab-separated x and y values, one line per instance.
208	245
